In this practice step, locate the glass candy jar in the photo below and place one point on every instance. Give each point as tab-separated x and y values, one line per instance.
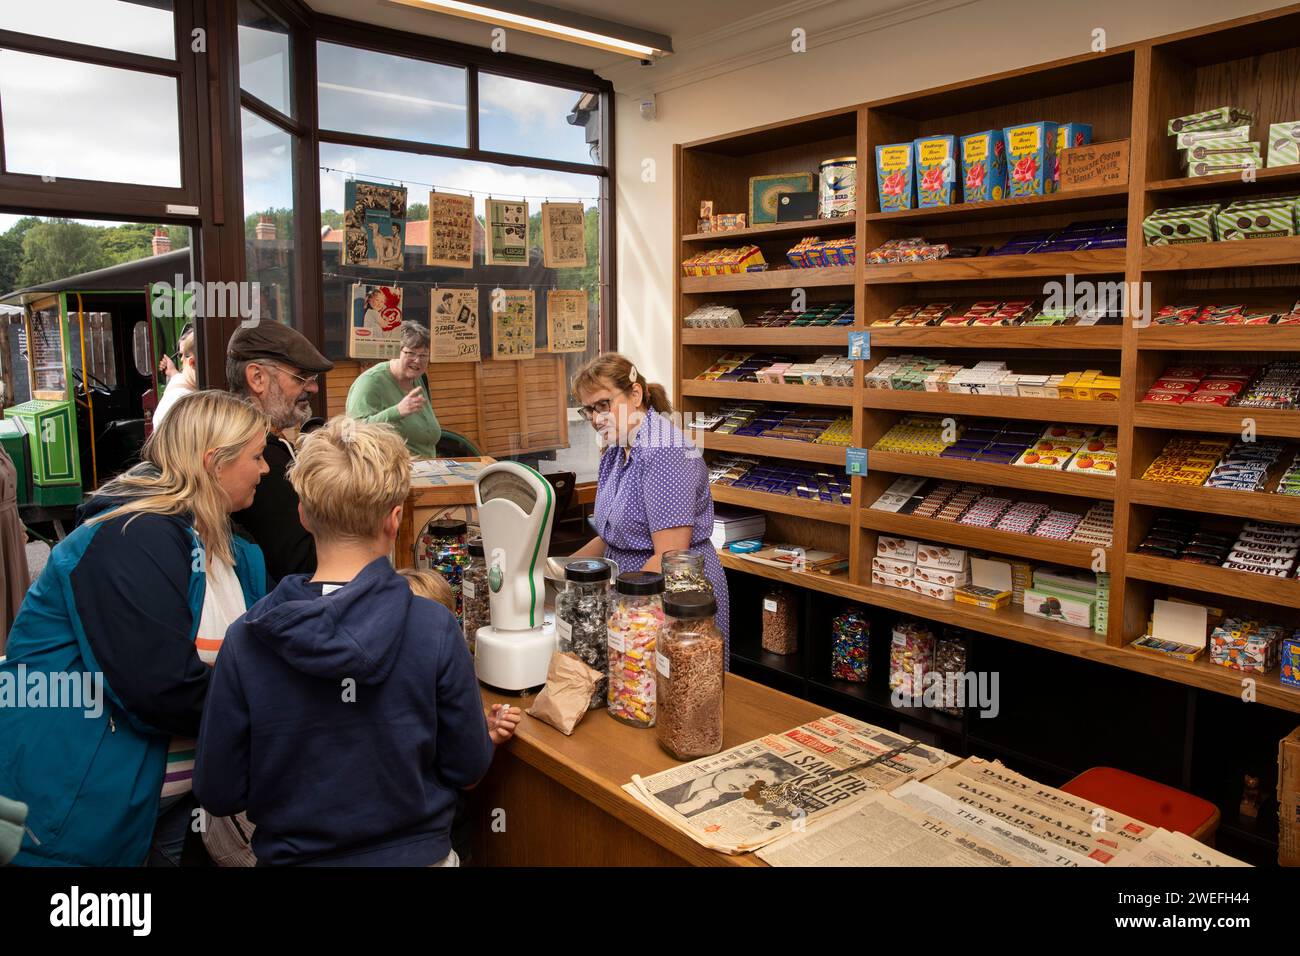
582	619
689	673
850	646
636	618
475	604
443	549
684	571
780	624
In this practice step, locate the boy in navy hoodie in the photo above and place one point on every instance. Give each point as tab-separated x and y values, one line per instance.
343	712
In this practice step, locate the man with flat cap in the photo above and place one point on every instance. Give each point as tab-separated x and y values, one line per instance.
277	369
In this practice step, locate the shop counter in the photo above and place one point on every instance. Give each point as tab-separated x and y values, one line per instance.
428	500
556	800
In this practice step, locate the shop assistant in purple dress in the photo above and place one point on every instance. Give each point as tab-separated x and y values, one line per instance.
652	492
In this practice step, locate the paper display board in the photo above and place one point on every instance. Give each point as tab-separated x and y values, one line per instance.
564	240
374	220
507	229
1097	164
455	325
451	231
566	320
514	323
375	329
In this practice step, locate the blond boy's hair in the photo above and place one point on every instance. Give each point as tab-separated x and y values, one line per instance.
349	475
430	584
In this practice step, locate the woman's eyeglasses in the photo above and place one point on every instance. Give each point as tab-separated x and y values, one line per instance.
418	356
602	407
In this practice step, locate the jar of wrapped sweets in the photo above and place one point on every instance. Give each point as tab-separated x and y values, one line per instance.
582	618
636	618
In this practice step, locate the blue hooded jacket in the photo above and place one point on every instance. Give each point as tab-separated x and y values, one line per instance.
119	600
343	724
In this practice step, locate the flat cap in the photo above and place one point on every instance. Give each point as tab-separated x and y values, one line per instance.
275	341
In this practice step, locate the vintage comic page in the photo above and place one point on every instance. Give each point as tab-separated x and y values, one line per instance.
881	830
451	231
564	240
374	224
566	320
514	324
375	329
507	232
758	792
455	325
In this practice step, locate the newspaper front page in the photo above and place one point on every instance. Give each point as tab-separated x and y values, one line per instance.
881	830
748	796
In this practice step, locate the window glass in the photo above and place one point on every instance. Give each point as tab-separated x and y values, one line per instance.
269	216
534	119
264	57
145	28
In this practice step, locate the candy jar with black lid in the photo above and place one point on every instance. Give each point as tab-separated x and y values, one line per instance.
582	618
443	549
684	571
636	617
690	672
475	603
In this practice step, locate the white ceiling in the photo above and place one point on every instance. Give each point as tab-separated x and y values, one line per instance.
707	34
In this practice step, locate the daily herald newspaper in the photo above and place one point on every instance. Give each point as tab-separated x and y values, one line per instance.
760	791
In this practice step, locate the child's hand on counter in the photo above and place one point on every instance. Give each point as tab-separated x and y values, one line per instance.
502	722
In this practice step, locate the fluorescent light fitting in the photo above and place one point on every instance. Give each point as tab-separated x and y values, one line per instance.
548	21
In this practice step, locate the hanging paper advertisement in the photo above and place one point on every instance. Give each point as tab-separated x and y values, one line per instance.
566	320
375	331
514	323
507	228
564	239
455	325
451	231
374	220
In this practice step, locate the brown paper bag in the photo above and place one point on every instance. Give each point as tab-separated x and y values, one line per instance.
564	699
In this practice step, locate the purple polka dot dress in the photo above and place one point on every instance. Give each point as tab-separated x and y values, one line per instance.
662	483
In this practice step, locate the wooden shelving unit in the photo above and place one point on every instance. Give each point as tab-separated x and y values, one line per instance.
801	451
1128	92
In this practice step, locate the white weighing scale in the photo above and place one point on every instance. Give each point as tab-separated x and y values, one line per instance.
515	509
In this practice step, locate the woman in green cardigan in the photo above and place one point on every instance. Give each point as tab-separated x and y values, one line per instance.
396	393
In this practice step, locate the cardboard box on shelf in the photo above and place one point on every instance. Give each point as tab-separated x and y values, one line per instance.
1288	800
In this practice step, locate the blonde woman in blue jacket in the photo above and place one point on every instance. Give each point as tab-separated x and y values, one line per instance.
126	621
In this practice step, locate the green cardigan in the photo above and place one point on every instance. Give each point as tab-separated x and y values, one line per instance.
373	397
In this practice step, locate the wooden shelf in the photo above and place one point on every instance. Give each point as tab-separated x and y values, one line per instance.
1071	553
771	279
1240	254
997	338
1260	506
1013	624
978	472
1227	338
1278	423
764	501
979	268
762	392
1199	577
1099	197
758	233
820	335
994	406
1267	179
772	448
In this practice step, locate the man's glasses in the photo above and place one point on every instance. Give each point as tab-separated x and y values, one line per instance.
304	379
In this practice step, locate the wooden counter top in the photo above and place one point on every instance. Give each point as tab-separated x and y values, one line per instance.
603	754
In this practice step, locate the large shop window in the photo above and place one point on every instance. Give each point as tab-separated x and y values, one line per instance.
264	59
269	154
536	119
395	97
70	120
421	283
126	25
